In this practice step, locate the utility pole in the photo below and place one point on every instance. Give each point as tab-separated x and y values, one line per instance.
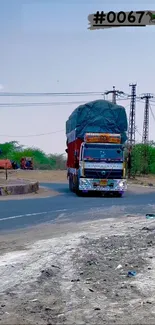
131	128
132	115
114	93
145	136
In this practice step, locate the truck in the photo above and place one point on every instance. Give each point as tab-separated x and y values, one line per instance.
96	137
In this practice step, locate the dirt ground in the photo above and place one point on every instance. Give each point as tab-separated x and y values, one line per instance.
59	176
53	176
78	273
45	176
144	180
40	176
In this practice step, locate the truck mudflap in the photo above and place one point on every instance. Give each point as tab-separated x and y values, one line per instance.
103	185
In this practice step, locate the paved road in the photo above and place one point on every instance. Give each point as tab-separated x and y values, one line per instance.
68	207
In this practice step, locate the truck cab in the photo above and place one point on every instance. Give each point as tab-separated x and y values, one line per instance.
100	165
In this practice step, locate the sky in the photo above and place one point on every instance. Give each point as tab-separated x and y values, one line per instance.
45	46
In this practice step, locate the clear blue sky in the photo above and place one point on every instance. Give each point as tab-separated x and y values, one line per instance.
44	50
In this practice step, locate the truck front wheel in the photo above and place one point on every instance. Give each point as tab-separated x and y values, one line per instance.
118	194
77	191
70	183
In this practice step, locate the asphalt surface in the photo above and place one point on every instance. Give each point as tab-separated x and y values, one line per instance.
67	207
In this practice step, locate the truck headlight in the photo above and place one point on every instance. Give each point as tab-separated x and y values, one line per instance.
121	184
83	181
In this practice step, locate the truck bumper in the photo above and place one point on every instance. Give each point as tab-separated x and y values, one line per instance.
113	185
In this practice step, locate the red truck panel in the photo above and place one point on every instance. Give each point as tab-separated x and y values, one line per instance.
72	146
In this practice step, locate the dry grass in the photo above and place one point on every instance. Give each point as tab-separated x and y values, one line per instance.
144	180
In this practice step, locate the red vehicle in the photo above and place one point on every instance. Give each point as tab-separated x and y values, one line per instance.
26	163
5	164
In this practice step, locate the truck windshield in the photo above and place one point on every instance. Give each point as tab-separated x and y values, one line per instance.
103	153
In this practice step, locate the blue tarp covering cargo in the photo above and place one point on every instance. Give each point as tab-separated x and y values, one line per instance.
98	116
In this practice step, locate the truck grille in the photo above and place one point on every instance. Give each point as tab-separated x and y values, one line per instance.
97	173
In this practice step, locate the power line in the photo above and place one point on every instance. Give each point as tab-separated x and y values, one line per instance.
56	103
45	104
152	113
30	135
34	135
41	104
49	94
138	132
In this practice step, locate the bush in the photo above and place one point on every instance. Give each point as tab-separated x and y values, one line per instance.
14	151
143	159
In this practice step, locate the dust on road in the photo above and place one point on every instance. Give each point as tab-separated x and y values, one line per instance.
80	276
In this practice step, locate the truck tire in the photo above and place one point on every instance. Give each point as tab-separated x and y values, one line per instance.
118	194
70	183
77	191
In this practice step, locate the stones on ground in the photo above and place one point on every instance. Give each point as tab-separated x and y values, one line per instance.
145	228
124	286
34	300
57	267
47	308
150	243
151	228
91	262
47	273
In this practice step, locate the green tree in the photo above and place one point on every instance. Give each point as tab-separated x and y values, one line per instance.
14	151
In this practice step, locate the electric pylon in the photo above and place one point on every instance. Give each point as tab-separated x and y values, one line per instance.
145	136
132	115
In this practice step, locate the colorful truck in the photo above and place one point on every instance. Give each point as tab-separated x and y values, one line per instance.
96	134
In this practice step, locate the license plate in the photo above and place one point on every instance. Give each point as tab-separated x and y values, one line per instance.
103	182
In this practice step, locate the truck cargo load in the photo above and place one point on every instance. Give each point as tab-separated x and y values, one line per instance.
96	134
99	116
